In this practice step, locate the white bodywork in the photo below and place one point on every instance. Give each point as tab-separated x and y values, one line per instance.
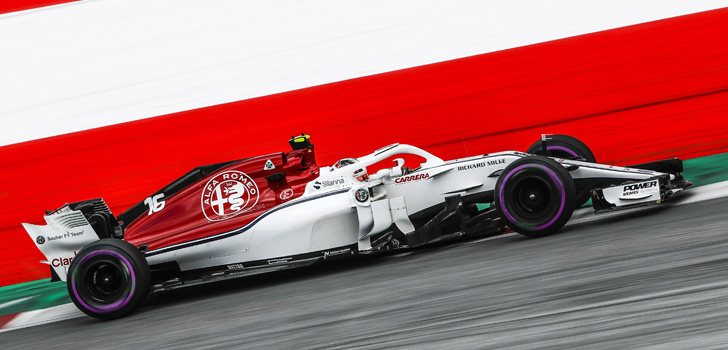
329	215
67	232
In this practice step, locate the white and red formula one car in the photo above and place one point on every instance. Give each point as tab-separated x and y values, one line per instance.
282	210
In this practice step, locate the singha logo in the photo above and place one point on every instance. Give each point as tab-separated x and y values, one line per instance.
227	195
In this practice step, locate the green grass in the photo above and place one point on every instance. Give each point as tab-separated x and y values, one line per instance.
706	170
41	294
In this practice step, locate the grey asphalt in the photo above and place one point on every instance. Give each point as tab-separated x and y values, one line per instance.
657	279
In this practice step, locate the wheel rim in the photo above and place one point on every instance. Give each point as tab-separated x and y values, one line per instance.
106	280
532	197
103	281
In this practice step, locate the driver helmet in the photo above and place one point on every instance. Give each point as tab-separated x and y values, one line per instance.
344	162
361	175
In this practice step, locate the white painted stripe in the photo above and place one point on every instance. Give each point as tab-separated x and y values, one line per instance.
43	316
13	302
97	63
698	194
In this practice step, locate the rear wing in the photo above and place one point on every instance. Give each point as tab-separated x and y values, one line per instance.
69	229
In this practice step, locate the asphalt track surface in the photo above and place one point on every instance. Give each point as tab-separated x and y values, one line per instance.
655	279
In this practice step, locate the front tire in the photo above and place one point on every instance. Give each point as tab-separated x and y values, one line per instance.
535	196
108	279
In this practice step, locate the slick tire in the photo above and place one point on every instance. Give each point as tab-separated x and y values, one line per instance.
565	146
108	279
535	196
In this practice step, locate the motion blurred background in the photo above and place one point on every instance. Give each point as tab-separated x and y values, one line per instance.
115	98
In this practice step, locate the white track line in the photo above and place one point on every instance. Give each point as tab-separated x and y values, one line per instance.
43	316
13	302
697	194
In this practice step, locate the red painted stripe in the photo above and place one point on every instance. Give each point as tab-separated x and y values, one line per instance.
5	319
20	5
634	94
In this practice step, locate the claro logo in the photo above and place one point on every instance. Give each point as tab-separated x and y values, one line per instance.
58	262
640	186
409	178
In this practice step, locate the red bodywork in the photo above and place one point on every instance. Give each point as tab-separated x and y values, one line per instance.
182	218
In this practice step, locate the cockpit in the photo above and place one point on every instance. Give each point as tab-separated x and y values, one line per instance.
344	162
378	165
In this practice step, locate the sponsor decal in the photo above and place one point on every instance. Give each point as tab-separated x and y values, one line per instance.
269	165
68	234
58	262
40	240
361	195
280	260
482	164
235	267
342	251
286	194
327	183
228	194
155	203
640	190
410	178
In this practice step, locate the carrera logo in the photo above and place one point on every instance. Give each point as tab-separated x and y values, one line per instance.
410	178
227	195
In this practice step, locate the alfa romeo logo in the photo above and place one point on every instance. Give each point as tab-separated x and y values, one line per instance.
361	195
40	240
228	194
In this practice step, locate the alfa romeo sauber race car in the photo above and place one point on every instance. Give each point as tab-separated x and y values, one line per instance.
282	210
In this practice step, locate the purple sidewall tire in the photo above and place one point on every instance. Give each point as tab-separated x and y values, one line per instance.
556	181
117	304
535	177
109	278
562	149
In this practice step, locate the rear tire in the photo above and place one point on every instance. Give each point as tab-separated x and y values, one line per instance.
108	279
565	146
535	196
